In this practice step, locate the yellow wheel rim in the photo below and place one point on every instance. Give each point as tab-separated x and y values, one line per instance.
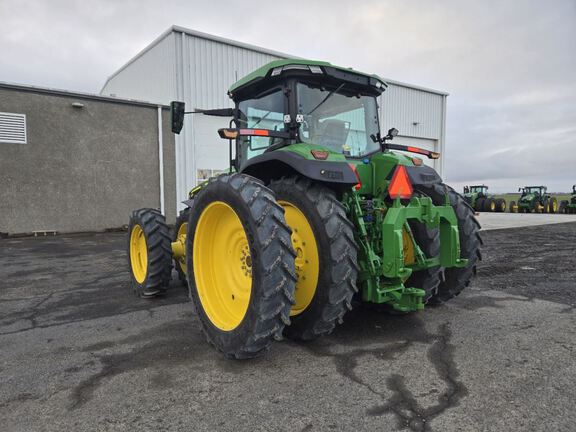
492	206
181	237
222	266
408	247
307	260
138	254
554	206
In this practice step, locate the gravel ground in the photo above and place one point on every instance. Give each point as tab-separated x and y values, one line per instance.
79	352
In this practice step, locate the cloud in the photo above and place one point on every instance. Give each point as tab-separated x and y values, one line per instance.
509	66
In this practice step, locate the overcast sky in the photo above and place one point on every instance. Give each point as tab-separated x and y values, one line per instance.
509	66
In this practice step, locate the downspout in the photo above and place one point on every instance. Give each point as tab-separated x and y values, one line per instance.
442	146
161	159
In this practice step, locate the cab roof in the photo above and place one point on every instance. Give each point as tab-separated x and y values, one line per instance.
313	67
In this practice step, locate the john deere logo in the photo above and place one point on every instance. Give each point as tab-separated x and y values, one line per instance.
334	175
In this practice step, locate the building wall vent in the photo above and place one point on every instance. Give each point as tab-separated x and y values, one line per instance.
12	128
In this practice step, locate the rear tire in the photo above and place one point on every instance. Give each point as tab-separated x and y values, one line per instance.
501	205
553	205
457	279
149	252
563	207
317	314
490	205
513	207
479	207
546	206
240	265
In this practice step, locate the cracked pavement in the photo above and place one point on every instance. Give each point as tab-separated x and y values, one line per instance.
79	352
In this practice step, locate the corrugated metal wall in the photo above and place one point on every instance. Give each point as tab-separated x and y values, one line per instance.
149	77
208	69
402	107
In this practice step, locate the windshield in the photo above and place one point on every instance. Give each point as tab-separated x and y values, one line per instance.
532	190
338	120
476	188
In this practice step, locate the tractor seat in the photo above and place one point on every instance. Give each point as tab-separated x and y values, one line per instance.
333	134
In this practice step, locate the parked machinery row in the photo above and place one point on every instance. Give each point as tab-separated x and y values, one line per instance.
533	199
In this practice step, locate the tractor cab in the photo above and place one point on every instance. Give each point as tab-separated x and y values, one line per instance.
480	189
302	102
534	190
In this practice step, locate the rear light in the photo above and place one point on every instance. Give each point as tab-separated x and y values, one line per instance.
319	154
417	161
254	132
358	185
400	186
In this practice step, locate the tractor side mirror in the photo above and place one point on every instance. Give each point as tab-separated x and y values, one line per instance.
177	116
392	132
519	189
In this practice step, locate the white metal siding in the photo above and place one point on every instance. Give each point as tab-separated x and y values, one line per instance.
402	107
214	67
150	77
207	70
419	116
12	128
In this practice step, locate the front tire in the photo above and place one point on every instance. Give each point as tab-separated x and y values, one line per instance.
329	256
149	252
240	265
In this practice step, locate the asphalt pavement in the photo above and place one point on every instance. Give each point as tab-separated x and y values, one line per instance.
79	352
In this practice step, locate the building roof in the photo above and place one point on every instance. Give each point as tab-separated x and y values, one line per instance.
202	35
77	95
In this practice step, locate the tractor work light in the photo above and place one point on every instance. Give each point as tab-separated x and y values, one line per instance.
320	154
228	133
312	68
400	186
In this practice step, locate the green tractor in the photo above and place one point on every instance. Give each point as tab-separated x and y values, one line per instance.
316	214
569	206
535	199
480	201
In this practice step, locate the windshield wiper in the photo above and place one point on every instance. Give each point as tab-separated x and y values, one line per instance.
261	118
326	98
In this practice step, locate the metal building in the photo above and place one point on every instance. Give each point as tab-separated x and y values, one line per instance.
198	68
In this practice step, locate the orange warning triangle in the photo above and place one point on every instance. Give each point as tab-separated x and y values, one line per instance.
400	186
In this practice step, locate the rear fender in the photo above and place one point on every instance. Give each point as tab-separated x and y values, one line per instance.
277	164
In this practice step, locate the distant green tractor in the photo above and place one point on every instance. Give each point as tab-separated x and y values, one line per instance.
569	207
479	200
535	199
